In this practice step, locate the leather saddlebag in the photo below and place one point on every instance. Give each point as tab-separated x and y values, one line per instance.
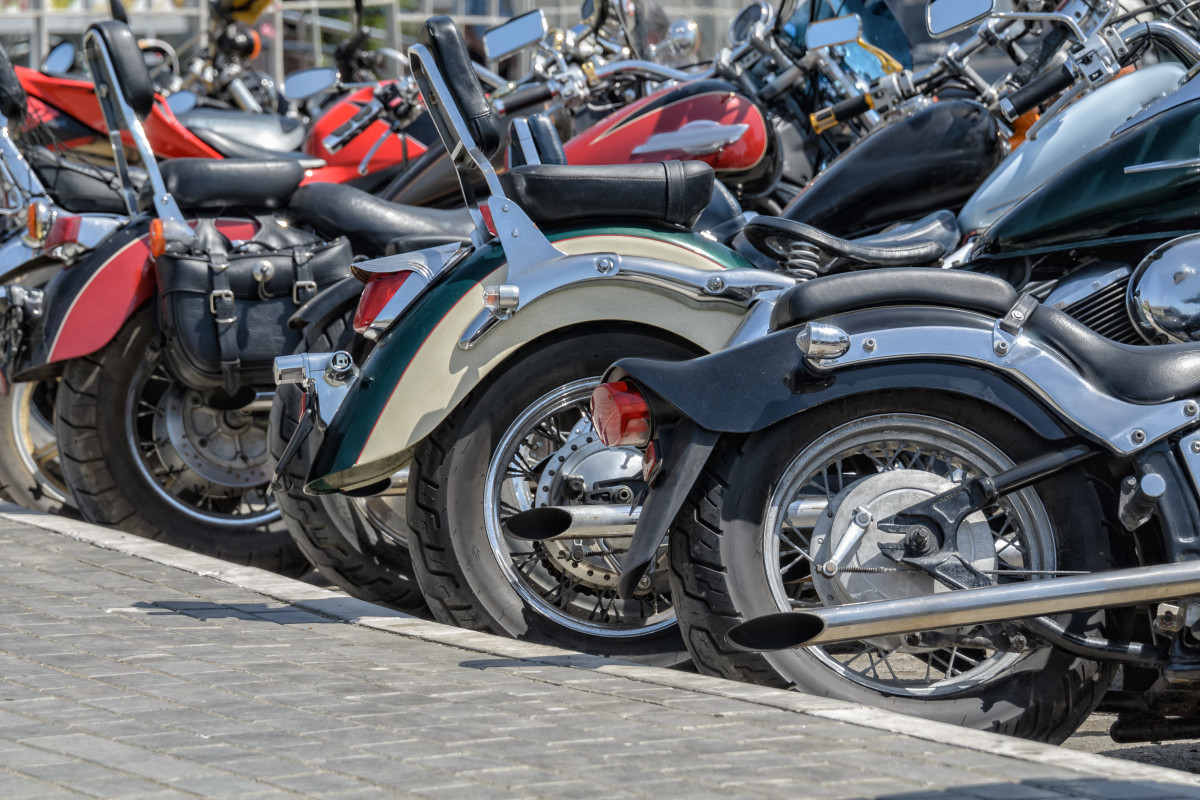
224	306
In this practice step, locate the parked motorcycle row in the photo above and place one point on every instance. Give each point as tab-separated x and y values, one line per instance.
803	365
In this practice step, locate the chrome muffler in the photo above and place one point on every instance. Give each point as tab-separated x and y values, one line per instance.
606	522
823	626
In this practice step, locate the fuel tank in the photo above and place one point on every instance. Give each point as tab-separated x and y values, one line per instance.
1143	185
1074	132
707	121
933	159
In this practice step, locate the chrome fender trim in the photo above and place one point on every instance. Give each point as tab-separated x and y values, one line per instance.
692	284
1121	426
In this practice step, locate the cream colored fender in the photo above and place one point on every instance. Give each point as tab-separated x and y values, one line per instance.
448	340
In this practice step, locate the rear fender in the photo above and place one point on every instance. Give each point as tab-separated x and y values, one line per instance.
446	342
909	348
88	302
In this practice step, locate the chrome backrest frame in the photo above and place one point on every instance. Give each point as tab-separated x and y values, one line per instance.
16	172
448	119
120	117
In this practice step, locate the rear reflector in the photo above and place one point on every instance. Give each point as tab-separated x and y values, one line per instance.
64	230
381	288
621	415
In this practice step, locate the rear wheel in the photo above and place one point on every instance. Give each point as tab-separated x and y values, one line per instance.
358	544
523	440
768	508
29	464
144	453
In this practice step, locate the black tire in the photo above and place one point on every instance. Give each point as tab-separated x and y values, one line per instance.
338	534
30	472
720	573
112	484
463	579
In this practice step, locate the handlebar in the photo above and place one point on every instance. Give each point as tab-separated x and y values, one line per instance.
646	69
525	97
352	127
1032	94
844	111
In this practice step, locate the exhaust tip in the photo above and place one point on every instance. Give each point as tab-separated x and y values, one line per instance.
538	524
781	631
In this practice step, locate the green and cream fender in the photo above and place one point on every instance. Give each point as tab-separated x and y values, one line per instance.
448	340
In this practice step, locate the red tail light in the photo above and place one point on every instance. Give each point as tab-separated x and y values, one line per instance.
381	288
64	230
621	415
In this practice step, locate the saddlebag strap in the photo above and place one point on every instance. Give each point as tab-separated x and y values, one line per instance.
220	303
304	288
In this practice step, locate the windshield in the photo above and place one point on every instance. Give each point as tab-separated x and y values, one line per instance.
880	28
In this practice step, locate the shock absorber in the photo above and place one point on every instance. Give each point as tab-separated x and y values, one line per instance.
803	260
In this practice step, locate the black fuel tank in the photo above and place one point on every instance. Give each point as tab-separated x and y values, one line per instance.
912	166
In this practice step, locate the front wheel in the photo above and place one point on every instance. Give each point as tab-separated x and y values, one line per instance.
143	453
522	440
29	463
769	507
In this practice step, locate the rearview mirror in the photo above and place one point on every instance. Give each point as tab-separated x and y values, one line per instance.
832	32
60	60
305	83
516	34
182	102
944	17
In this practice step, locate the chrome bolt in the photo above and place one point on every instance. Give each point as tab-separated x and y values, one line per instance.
829	569
869	345
604	265
1018	315
514	233
1138	436
644	582
1001	347
340	360
716	284
1196	446
862	518
1190	408
504	208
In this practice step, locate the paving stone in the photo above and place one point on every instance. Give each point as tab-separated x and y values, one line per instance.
120	677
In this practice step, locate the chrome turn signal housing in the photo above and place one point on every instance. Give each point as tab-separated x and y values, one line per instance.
820	342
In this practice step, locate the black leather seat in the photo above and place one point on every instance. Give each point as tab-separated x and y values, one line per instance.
213	183
229	127
925	241
80	187
370	223
674	192
1156	374
838	294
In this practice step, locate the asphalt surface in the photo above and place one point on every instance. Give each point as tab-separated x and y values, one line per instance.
132	669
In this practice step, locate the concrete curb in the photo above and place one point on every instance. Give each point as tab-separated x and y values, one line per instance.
338	606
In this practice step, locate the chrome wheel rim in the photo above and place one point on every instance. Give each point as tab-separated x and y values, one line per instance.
923	455
551	578
209	466
32	424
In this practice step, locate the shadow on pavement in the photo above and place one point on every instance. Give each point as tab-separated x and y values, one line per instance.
1051	788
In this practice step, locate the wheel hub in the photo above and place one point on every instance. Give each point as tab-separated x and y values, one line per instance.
585	472
227	448
884	495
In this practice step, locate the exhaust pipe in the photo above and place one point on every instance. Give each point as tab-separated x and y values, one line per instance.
607	522
1126	587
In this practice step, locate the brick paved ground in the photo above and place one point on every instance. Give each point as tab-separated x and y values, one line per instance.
124	676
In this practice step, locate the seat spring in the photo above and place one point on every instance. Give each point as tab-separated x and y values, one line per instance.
803	260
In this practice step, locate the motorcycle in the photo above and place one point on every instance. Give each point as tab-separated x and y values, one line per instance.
173	445
520	362
907	442
935	432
